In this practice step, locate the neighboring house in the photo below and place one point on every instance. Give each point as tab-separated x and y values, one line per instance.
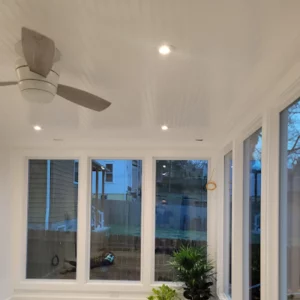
53	189
122	179
53	194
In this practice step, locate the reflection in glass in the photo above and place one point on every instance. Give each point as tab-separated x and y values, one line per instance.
181	210
115	249
290	196
228	208
52	219
252	188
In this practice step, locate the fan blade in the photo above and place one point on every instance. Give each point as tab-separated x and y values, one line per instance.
6	83
82	98
38	50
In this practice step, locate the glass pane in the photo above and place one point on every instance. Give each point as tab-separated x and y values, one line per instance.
228	218
109	172
115	252
290	195
52	219
252	188
181	210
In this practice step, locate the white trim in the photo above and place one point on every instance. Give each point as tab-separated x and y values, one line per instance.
212	218
223	233
246	216
238	264
25	287
221	239
280	95
82	215
270	207
148	221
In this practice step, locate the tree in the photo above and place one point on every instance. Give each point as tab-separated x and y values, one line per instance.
175	175
293	132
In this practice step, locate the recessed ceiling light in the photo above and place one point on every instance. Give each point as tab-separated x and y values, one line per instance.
164	49
37	127
164	127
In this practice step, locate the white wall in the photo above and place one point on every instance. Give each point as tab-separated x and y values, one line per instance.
264	113
5	226
82	288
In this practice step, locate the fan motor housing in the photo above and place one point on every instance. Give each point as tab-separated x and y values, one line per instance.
34	87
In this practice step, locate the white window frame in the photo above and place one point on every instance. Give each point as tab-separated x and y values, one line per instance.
240	215
273	279
275	209
227	228
21	256
246	192
283	191
209	244
240	220
115	289
115	283
223	234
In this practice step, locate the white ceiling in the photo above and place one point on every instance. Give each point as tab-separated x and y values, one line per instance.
226	54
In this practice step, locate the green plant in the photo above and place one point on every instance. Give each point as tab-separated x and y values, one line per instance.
163	293
195	270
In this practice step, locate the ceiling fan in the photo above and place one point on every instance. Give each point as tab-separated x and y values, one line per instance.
38	73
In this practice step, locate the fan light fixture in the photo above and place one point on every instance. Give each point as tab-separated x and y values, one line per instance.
34	87
38	73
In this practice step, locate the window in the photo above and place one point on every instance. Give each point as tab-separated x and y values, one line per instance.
115	249
181	210
289	198
252	196
52	220
109	173
228	220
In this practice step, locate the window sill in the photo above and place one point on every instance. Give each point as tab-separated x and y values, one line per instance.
223	296
82	295
67	286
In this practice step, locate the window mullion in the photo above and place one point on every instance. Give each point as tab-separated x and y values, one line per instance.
270	207
83	230
238	228
148	222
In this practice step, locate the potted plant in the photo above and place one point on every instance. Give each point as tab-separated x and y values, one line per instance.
164	292
195	270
